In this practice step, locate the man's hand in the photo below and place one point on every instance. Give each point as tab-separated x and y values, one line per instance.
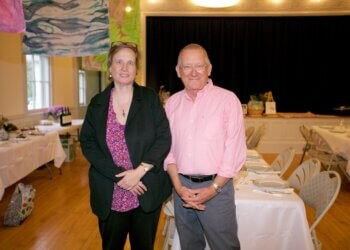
200	196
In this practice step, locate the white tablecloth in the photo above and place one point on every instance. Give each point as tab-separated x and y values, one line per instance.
76	125
20	158
266	221
339	142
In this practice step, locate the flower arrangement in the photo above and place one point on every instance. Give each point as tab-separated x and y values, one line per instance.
258	97
54	111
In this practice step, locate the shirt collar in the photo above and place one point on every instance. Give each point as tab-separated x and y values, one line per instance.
204	90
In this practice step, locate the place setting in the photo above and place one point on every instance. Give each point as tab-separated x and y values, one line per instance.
272	187
259	168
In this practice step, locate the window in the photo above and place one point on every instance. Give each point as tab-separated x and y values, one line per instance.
38	82
82	88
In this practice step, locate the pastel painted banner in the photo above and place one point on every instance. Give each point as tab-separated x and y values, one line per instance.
11	16
123	26
66	28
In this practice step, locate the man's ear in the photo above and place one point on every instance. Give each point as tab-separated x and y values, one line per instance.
209	69
177	68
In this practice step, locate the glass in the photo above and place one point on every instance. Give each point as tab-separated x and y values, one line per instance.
198	67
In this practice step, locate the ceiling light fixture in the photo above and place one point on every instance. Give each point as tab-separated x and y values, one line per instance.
215	4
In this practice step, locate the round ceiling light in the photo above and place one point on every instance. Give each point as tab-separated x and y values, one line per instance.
215	3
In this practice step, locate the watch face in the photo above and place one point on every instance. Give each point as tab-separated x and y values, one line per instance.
217	188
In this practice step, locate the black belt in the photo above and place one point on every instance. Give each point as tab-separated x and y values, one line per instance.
199	178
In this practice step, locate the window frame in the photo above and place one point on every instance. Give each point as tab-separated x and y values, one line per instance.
82	89
48	82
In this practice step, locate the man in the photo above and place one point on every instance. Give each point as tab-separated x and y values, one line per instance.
208	149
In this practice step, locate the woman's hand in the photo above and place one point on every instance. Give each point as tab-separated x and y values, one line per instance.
130	179
139	189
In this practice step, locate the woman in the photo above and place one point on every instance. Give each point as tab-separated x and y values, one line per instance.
125	137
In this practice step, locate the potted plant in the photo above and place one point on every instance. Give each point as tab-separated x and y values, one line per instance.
256	105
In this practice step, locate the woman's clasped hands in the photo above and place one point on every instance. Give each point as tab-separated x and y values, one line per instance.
131	181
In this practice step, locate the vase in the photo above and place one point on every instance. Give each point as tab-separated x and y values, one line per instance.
255	108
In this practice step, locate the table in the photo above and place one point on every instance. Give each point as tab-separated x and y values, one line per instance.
20	158
267	221
338	141
74	128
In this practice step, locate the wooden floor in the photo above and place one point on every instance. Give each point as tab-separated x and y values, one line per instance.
62	218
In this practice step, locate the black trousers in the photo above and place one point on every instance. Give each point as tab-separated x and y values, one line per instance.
141	227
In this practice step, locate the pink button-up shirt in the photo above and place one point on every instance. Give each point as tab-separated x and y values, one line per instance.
208	135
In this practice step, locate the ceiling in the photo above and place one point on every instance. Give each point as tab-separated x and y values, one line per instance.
248	7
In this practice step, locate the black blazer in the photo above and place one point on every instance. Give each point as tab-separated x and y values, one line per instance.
148	139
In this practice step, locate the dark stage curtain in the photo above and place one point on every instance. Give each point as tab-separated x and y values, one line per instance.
304	61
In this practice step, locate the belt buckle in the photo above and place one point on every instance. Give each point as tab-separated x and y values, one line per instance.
196	179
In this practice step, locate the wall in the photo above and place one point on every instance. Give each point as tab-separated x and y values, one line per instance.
12	78
11	75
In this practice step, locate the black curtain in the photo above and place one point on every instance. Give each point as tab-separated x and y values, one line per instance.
304	61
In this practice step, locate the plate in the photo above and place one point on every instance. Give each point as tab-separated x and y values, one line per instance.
21	139
253	157
257	167
270	183
3	143
327	126
253	153
337	131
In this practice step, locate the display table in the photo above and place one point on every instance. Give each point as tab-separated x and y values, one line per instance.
18	158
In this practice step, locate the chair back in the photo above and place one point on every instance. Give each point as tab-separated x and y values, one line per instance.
283	161
306	132
249	132
254	140
304	173
320	143
320	193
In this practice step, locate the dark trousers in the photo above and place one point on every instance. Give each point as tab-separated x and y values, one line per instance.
141	227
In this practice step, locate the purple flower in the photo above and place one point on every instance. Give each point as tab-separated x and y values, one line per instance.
55	111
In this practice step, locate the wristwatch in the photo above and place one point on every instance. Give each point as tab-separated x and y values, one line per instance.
145	168
217	188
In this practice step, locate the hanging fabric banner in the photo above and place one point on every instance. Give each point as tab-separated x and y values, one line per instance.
11	16
66	28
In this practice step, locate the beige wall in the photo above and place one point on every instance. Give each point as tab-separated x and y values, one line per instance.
12	77
65	79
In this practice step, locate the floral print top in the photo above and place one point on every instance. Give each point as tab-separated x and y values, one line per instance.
122	200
